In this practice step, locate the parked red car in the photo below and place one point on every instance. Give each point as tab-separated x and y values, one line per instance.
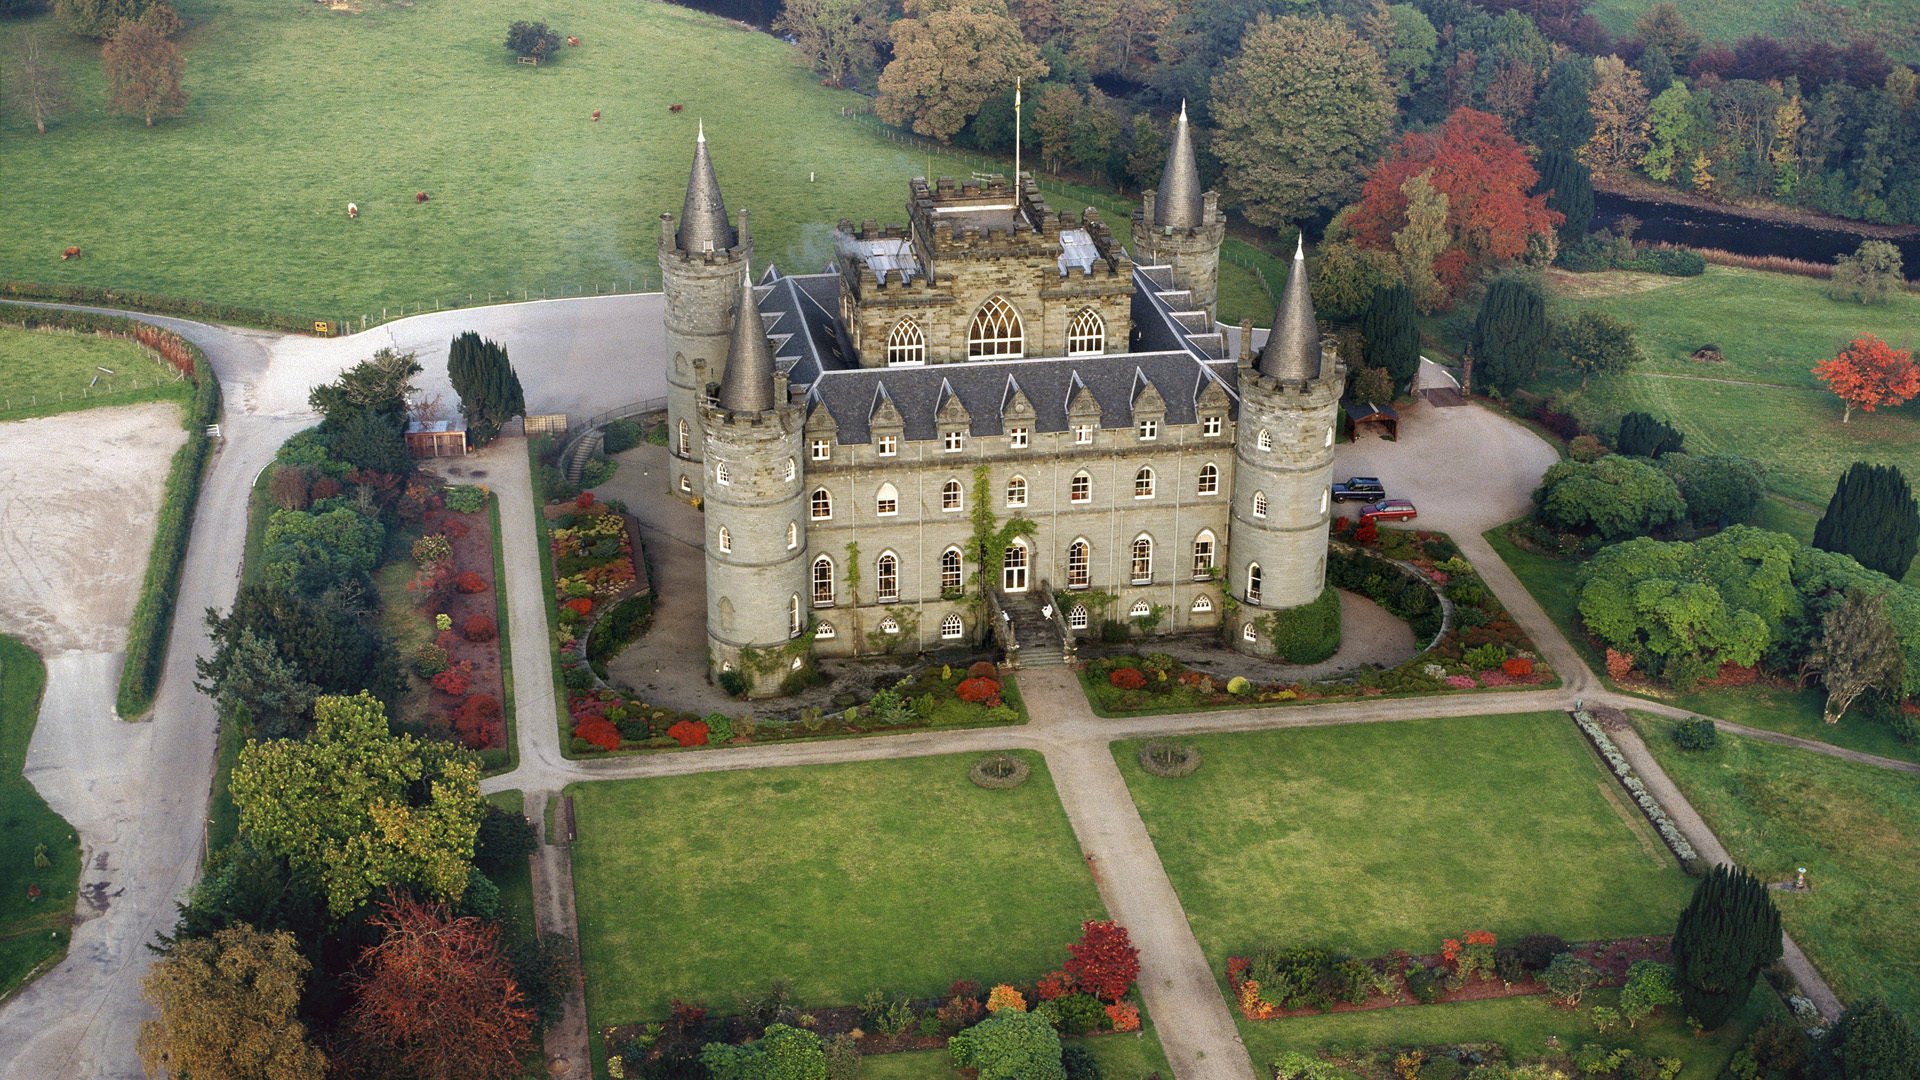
1389	510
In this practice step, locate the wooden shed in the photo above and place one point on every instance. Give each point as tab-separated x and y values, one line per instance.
441	438
1379	418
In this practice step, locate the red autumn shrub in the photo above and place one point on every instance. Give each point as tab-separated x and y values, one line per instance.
979	691
1619	665
580	605
1104	961
1367	533
1124	1016
600	732
456	680
689	732
479	628
1053	985
479	722
325	487
1127	678
983	669
471	582
1519	667
583	500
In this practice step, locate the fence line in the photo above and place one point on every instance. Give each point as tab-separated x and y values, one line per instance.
106	390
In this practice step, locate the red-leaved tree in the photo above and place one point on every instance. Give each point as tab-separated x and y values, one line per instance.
1486	177
1869	373
436	997
1104	961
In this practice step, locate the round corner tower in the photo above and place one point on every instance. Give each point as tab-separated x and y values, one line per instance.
1283	466
756	536
701	263
1179	226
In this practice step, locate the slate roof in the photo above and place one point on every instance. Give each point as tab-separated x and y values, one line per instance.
1179	202
703	216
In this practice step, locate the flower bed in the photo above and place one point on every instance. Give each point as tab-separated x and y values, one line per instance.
453	590
1622	771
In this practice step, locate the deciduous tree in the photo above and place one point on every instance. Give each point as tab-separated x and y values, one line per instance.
1857	651
1596	343
488	386
101	18
1618	102
1664	27
228	1007
1422	242
1405	39
1872	517
143	71
1726	934
1104	961
1615	497
1298	114
1872	1041
1869	373
1670	132
35	87
841	39
1870	275
1720	489
949	56
533	40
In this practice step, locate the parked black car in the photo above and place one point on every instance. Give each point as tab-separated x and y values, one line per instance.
1360	489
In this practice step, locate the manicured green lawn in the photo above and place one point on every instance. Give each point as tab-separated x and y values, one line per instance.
1763	401
49	371
1372	837
897	876
1894	26
1855	828
296	110
1121	1057
33	933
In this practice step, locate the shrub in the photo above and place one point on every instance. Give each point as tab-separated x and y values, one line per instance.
1649	986
1104	961
1695	733
470	583
1164	757
1518	667
1423	984
1485	656
1619	665
456	680
1538	950
579	605
479	628
1309	633
1127	678
1124	1016
1074	1014
598	733
1239	686
1569	978
1079	1063
979	691
688	733
618	436
479	722
1009	1046
1005	997
983	669
583	501
466	499
733	683
1586	448
430	660
432	549
999	772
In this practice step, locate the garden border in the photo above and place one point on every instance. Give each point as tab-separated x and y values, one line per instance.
1407	569
1622	771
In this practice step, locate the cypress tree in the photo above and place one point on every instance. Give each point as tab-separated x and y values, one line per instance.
1562	119
489	389
1644	435
1393	340
1510	334
1872	517
1568	185
1728	932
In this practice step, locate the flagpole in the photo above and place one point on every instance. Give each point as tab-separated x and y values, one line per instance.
1016	138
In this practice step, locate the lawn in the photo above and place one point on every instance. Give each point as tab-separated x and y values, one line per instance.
52	371
1895	26
897	876
1763	402
33	933
1372	837
296	110
1121	1057
1854	827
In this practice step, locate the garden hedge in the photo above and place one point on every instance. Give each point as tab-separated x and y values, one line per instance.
1388	584
1309	633
208	310
153	613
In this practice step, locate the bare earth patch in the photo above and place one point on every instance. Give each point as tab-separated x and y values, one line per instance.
79	494
1606	283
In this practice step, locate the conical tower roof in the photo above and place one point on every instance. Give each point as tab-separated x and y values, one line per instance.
1292	352
748	384
1179	202
703	217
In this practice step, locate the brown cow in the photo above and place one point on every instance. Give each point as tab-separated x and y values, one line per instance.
70	253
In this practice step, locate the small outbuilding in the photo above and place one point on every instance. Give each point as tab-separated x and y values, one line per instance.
1370	417
440	438
1436	384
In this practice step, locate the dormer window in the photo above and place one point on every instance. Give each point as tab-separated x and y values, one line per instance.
889	445
1211	426
1148	429
1083	434
956	441
1017	438
821	449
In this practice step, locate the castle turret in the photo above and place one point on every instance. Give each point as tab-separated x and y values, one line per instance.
701	260
1179	225
756	550
1283	455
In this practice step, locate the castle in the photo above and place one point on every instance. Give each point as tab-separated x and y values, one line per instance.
991	421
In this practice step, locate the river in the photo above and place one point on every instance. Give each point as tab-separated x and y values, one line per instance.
1697	227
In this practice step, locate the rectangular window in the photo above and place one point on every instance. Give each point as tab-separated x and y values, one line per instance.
1148	430
1202	558
822	449
1210	427
889	445
956	441
1017	438
1081	489
886	505
1083	434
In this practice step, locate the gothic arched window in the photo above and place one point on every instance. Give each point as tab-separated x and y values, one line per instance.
888	575
907	343
995	331
1086	333
823	582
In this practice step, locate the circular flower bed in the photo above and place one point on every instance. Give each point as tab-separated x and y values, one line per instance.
999	772
1164	757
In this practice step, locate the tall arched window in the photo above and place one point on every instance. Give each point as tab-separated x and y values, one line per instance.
793	535
1086	333
823	582
822	504
796	622
950	569
686	439
1143	559
1209	479
1017	491
1266	440
1253	583
1079	558
1143	483
951	628
726	538
887	586
995	331
950	496
907	343
886	501
1080	488
1203	555
1259	504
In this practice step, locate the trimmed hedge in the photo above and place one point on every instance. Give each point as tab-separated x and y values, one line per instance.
1388	584
207	310
617	628
1309	633
153	614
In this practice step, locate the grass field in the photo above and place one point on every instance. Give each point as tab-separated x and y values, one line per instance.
49	371
1895	26
1764	401
896	876
1121	1057
33	933
1373	837
1854	827
297	110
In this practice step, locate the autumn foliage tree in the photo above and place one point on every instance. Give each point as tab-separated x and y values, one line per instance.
949	56
436	996
1104	961
1869	373
228	1006
143	71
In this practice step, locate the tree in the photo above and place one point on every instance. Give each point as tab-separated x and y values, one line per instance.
100	19
1670	132
143	71
841	39
1422	241
1872	1041
36	87
534	40
332	640
1869	373
1656	69
1870	275
309	553
253	685
1618	102
1369	385
489	388
229	1008
1393	339
364	412
1726	934
360	808
1857	651
1681	610
1720	489
1009	1045
1872	517
436	996
1568	186
1405	39
1345	281
782	1053
1645	435
243	885
1104	961
1615	497
1562	122
1649	986
1298	114
1663	27
1510	333
1596	343
949	56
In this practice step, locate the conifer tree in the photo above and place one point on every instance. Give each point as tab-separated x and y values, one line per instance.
489	389
1510	335
1393	341
1645	435
1728	932
1873	518
1568	186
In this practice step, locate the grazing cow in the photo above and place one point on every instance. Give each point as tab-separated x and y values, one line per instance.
419	196
70	253
571	40
596	114
675	108
353	210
